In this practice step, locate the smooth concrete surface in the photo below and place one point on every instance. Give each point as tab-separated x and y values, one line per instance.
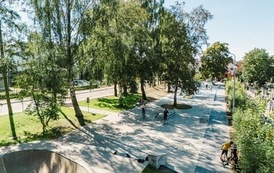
38	161
191	140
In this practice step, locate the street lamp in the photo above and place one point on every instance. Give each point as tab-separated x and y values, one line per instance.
234	73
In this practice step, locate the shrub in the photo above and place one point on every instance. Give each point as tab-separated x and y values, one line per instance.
241	99
12	96
253	136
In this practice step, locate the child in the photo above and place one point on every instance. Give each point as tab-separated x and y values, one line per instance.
225	147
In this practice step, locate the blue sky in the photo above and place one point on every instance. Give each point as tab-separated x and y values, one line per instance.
243	24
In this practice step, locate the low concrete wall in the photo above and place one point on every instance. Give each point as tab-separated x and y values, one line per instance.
38	161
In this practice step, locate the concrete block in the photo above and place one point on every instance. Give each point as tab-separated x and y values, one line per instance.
157	160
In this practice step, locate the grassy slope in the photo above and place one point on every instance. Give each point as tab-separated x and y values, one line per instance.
28	128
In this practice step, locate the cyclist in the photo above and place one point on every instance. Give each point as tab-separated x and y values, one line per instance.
234	156
225	147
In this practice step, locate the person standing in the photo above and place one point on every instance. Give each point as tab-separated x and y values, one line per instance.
165	115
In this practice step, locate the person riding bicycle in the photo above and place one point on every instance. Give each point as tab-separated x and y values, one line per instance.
225	147
234	155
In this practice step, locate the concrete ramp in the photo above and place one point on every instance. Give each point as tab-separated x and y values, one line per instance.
38	161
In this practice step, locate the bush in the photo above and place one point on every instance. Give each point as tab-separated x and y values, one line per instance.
254	137
241	99
12	96
255	141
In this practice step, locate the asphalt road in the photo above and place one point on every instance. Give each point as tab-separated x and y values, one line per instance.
20	106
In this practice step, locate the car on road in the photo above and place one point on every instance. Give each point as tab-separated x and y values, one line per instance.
81	83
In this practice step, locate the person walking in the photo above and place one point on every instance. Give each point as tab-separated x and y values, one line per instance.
143	111
165	115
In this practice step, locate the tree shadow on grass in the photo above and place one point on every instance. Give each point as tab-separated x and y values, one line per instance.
49	134
69	120
7	143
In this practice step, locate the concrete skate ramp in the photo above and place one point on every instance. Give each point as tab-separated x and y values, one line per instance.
38	161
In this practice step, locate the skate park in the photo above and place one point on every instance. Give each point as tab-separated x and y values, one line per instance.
191	140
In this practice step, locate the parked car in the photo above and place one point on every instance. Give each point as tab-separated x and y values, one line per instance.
81	82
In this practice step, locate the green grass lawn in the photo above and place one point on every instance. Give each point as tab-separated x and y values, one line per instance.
28	128
111	103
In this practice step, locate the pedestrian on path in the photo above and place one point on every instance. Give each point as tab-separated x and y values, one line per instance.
165	115
143	111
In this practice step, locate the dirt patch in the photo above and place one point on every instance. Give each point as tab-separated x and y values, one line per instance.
156	92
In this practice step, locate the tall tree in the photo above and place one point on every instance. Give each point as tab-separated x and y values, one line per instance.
258	66
116	27
41	79
64	17
178	53
147	44
183	35
215	60
8	17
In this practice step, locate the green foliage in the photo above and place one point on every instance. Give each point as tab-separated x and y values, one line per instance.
12	95
60	23
215	60
258	66
255	140
198	76
29	128
133	86
182	36
44	109
42	80
116	37
241	99
253	136
112	103
178	54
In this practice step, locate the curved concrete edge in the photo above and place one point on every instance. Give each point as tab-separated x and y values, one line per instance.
2	166
39	161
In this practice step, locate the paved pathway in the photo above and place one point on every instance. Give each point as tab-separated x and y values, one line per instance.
192	139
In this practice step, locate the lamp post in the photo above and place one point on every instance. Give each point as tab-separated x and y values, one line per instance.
234	72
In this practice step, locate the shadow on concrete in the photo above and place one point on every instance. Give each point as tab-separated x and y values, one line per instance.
39	161
137	137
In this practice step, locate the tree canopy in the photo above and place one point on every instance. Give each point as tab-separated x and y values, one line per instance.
258	66
121	42
215	60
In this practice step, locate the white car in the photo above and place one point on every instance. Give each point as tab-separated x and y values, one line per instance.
81	82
